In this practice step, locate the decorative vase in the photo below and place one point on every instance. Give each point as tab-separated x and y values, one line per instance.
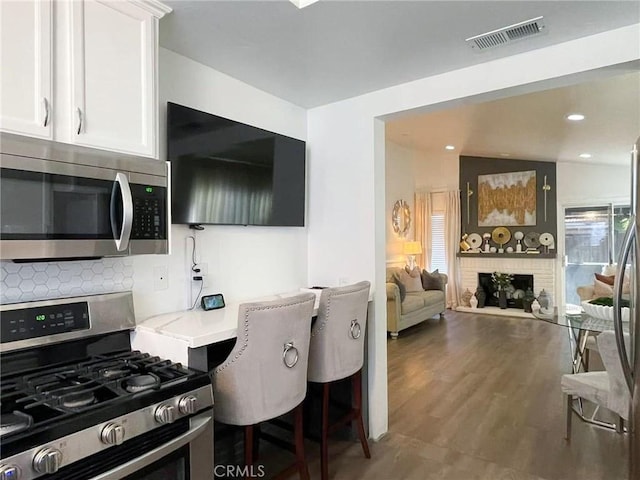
502	299
481	296
473	301
465	297
546	302
527	300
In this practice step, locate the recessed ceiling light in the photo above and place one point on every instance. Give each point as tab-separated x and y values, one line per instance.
575	117
303	3
449	147
585	155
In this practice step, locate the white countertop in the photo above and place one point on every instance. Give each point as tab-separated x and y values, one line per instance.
197	328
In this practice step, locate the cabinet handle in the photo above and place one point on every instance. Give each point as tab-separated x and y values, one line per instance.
46	111
79	120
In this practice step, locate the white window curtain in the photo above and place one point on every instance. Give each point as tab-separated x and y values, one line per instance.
452	238
422	227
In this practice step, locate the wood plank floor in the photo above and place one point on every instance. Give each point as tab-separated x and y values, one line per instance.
478	397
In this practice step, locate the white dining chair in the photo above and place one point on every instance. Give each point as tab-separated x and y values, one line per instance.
606	389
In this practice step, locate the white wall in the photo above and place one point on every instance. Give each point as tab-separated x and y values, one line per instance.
243	262
437	172
399	185
347	168
580	183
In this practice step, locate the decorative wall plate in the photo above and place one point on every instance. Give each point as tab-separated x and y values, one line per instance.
532	240
474	240
546	239
501	235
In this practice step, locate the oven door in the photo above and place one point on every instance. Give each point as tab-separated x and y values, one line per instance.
186	457
182	450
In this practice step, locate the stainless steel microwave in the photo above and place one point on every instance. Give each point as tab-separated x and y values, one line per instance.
64	201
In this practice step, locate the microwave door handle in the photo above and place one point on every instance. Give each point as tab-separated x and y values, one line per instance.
627	244
122	242
198	426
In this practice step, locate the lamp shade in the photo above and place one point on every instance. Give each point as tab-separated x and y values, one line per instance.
412	248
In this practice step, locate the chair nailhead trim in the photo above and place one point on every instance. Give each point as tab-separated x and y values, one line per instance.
246	330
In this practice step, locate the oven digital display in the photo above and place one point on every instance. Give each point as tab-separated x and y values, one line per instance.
43	321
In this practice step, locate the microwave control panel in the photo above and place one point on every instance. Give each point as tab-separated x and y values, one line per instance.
43	321
149	212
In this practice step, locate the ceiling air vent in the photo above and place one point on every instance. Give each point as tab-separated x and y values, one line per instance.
503	36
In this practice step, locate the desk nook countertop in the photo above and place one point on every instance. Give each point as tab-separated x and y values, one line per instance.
173	335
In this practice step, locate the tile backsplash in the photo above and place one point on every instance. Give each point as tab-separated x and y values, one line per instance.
23	282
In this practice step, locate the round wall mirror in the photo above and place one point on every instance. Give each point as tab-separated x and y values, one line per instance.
401	218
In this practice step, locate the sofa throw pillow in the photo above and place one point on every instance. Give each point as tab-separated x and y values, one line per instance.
608	279
601	289
411	281
403	291
431	281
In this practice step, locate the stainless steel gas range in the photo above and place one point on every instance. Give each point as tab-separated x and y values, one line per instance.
77	403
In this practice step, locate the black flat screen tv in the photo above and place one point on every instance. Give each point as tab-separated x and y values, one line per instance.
225	172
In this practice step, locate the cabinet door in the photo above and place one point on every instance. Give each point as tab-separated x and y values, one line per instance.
113	76
25	76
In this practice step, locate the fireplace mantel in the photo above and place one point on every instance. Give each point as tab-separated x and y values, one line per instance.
521	256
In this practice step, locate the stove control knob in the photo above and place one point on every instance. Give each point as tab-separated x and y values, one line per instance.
165	413
9	472
47	460
112	434
188	405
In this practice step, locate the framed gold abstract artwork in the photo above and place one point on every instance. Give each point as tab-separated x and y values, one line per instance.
507	199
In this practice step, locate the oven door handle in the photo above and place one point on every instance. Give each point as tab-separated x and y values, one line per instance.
122	232
198	425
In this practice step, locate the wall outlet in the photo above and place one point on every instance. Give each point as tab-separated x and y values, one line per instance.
160	278
204	268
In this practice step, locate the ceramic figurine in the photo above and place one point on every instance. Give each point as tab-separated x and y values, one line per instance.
466	297
473	301
535	306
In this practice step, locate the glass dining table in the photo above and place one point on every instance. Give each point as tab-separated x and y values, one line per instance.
580	327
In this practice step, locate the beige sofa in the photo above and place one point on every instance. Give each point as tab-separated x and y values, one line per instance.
416	307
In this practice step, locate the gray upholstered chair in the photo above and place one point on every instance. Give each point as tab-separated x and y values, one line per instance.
265	375
337	352
607	389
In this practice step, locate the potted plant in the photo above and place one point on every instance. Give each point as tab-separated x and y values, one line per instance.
501	281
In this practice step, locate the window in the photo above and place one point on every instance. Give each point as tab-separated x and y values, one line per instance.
438	253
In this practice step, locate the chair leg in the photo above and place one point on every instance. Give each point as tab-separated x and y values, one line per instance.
356	379
324	438
620	425
256	443
303	469
586	356
248	449
569	415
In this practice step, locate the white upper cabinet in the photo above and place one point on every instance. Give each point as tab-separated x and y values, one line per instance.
105	69
25	68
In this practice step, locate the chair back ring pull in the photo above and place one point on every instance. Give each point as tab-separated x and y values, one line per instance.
356	330
287	347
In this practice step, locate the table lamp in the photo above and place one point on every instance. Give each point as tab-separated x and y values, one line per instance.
411	249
